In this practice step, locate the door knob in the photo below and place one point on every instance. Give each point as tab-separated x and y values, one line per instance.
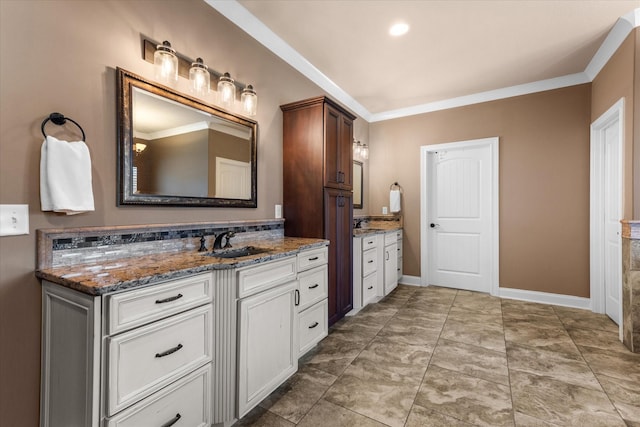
432	225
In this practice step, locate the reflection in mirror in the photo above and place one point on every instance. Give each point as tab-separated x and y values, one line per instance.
357	184
176	150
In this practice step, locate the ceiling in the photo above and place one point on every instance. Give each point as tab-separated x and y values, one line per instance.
455	50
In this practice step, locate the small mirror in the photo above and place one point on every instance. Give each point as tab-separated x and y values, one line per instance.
357	185
175	150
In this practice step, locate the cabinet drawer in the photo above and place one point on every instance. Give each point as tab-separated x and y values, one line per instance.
312	286
252	280
187	401
369	262
390	238
369	288
130	309
146	359
312	326
369	242
312	258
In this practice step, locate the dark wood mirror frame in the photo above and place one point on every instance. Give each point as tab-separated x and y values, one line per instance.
126	82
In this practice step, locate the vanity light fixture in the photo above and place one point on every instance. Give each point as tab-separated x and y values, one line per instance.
249	101
139	147
199	77
226	91
166	63
360	150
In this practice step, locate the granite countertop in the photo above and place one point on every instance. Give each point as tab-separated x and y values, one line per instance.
126	273
377	229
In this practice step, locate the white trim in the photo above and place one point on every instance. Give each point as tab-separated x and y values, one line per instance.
410	280
493	144
251	25
477	98
546	298
623	26
247	22
596	201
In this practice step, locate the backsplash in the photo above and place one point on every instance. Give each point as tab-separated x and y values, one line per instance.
86	245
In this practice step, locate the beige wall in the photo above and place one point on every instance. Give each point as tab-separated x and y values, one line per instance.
544	181
61	56
615	81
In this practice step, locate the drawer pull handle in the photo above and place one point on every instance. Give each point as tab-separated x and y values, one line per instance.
314	325
170	351
173	298
313	286
296	298
370	261
315	258
172	421
370	287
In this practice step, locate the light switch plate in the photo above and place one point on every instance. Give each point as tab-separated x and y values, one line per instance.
384	210
14	220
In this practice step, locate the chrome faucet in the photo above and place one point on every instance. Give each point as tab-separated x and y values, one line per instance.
227	235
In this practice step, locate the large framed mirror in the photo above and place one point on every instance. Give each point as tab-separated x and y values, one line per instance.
357	184
175	150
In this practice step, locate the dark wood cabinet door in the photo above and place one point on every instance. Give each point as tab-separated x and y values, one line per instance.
346	152
338	218
332	141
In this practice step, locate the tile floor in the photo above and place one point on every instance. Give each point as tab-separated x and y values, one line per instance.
442	357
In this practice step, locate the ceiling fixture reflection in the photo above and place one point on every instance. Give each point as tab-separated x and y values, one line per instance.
166	63
139	147
169	64
399	29
199	77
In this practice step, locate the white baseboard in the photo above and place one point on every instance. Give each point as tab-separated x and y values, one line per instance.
546	298
409	280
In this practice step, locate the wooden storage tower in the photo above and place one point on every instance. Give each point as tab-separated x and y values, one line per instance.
317	181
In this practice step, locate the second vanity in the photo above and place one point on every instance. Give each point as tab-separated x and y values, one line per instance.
175	337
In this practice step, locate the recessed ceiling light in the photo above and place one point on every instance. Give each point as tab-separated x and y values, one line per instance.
399	29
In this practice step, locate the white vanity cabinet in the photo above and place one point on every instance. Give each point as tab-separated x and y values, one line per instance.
312	304
267	325
389	256
120	358
366	269
400	249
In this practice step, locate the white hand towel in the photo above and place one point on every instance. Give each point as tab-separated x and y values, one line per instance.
65	177
394	200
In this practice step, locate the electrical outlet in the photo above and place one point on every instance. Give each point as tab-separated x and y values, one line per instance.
14	220
385	210
278	211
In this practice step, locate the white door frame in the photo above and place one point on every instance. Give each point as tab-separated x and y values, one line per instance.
493	144
596	202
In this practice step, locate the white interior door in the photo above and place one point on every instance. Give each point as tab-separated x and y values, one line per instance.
606	213
233	179
461	202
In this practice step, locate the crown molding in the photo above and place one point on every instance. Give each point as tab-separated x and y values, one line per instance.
246	21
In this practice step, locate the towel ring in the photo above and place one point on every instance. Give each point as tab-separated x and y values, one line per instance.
396	186
59	119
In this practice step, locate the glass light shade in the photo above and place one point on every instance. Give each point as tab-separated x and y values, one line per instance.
226	91
139	147
166	63
365	151
249	101
199	78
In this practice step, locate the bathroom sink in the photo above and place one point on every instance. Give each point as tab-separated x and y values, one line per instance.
237	252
